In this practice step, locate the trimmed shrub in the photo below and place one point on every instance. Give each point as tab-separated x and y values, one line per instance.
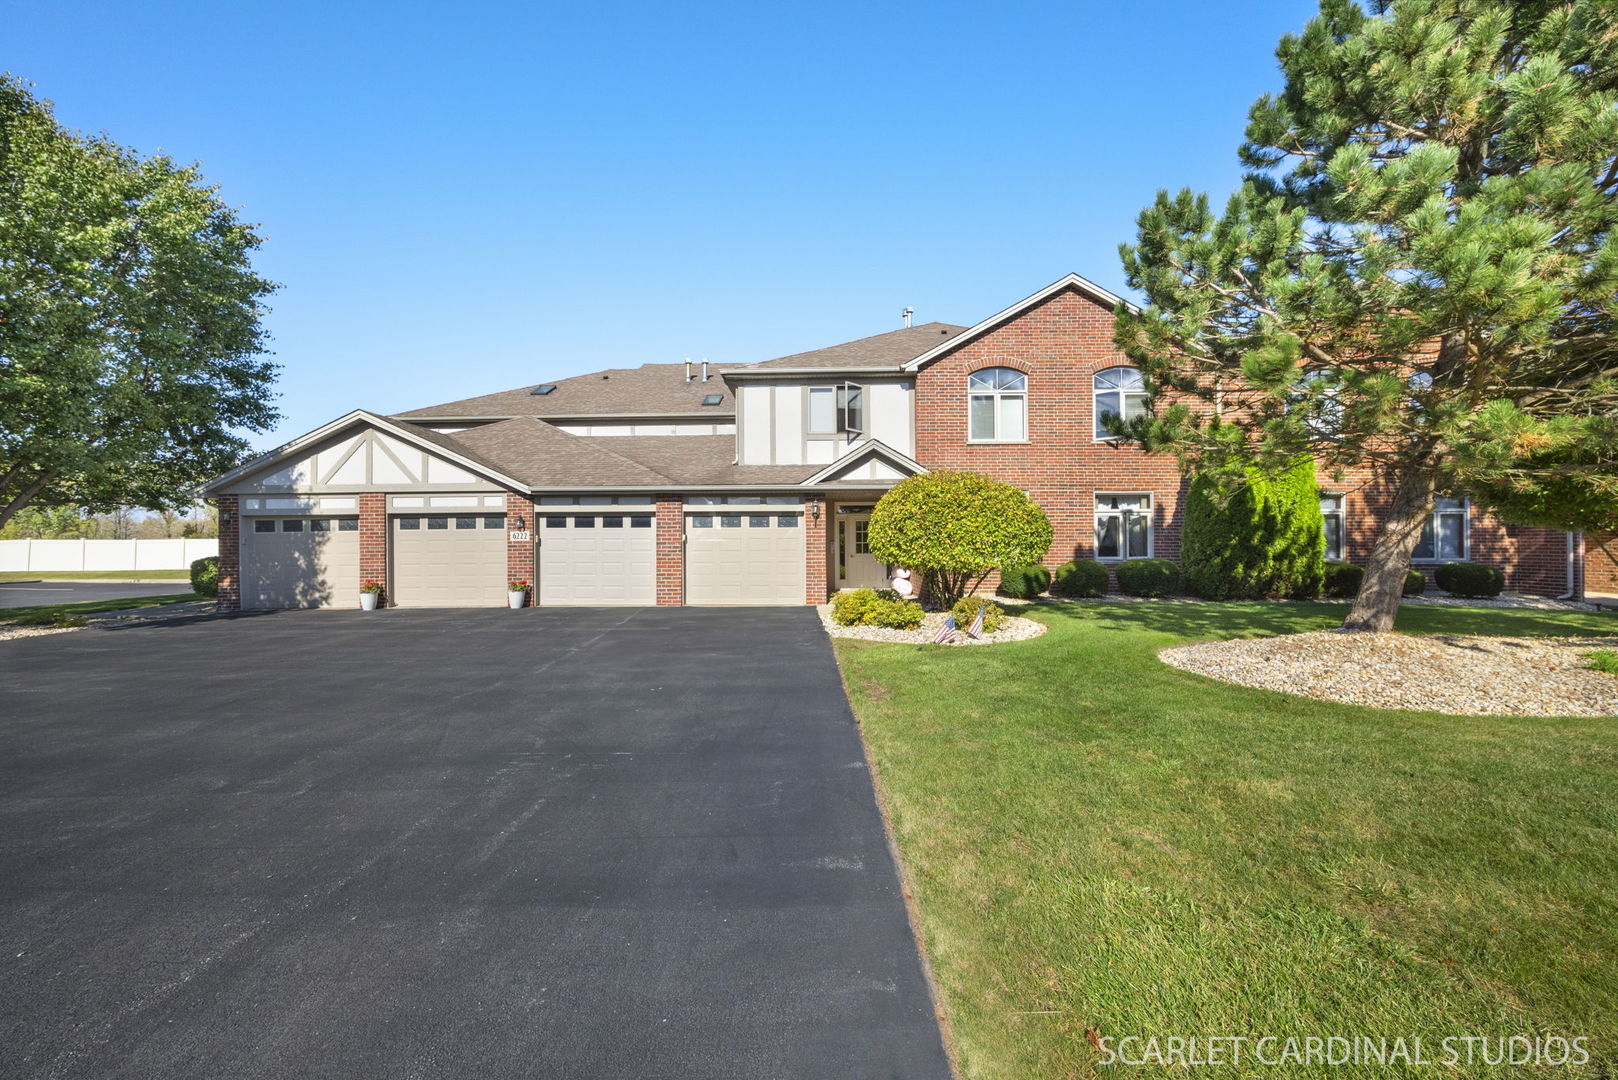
848	608
954	528
1254	536
1148	577
893	614
1470	579
1024	582
1081	577
205	576
1415	583
967	610
1342	580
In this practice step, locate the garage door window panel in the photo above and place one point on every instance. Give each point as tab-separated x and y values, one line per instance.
410	523
292	525
641	521
348	524
612	521
494	521
262	526
438	523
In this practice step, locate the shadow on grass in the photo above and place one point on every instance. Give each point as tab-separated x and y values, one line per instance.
1197	620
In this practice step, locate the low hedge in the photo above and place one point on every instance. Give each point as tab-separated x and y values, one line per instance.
1082	577
967	610
1415	583
1024	582
1148	577
205	576
1470	579
867	607
1342	580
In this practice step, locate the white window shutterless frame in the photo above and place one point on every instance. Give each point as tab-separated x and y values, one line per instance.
1119	391
997	405
1443	537
1123	526
1331	515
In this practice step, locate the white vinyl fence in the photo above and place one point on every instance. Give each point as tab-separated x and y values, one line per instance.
44	556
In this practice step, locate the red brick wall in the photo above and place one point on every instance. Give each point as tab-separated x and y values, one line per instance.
373	547
1600	563
1060	344
670	551
520	554
815	517
230	558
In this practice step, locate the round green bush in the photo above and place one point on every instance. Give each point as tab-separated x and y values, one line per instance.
1024	582
967	610
1415	583
893	614
1470	579
1342	580
205	576
1082	577
1148	577
848	608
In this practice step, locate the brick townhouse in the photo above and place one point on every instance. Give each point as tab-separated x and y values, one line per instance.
674	483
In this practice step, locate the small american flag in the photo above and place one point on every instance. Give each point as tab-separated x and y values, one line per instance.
946	633
976	629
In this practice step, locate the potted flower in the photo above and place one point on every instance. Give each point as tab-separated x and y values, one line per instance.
517	593
370	592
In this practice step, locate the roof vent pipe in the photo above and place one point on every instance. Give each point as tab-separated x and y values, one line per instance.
688	369
906	313
704	369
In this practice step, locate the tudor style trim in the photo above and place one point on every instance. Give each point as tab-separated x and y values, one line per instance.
861	453
1071	281
348	420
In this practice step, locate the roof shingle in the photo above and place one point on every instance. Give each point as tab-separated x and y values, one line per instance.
649	390
881	350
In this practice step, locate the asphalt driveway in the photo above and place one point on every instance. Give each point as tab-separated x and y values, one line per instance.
588	843
14	594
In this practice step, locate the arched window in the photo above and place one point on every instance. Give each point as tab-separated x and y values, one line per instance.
1119	391
1316	389
997	409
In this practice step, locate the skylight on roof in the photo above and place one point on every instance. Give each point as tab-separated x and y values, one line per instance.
541	391
712	399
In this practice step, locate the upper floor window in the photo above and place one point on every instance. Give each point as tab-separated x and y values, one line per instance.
997	409
1119	391
835	410
1444	535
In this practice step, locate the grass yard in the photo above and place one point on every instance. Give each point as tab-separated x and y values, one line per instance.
42	616
1099	841
95	575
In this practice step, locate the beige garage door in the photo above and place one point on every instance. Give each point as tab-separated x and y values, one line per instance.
300	562
598	558
744	558
449	560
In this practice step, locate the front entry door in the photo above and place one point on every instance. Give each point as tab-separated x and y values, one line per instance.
857	568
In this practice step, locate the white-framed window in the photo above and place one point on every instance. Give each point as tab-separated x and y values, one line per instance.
1444	537
1331	515
822	410
836	410
1123	525
997	405
1119	391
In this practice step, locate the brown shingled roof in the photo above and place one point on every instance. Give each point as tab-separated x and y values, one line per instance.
699	460
649	390
882	350
540	455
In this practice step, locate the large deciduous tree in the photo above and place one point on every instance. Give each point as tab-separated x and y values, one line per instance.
131	351
1418	274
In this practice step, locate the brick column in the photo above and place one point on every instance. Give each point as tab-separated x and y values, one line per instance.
670	551
521	556
230	557
815	524
373	545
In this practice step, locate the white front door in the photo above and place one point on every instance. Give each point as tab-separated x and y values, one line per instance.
857	568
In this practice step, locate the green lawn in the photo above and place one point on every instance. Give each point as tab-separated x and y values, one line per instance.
95	575
1097	840
39	616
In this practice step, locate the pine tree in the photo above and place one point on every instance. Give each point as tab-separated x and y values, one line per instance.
1418	274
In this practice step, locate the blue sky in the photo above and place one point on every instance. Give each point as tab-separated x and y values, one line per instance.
466	198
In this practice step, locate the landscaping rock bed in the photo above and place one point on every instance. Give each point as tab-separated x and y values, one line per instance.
9	632
1472	676
1012	628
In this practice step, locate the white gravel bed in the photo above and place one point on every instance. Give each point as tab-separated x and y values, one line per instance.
1012	628
7	633
1470	676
